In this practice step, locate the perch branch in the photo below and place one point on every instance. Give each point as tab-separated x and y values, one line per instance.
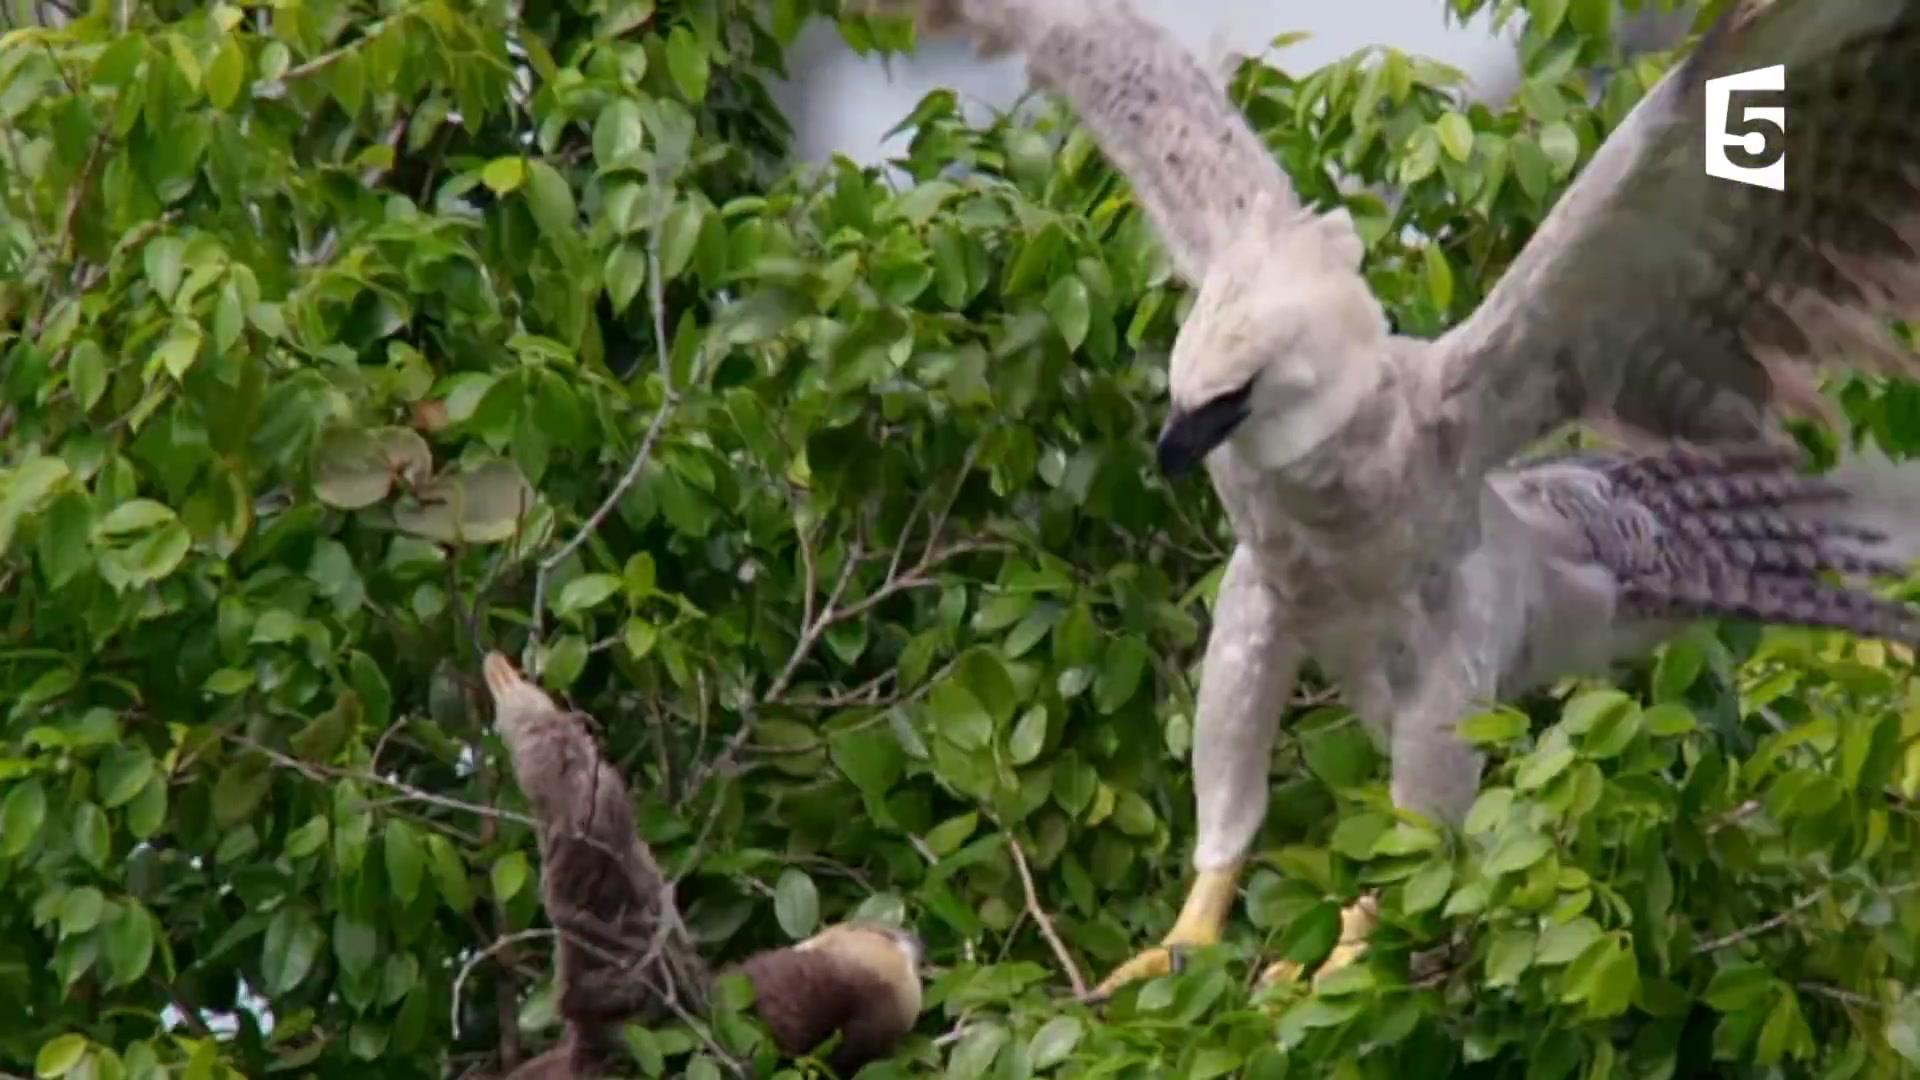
1759	928
1043	920
474	961
1845	997
321	773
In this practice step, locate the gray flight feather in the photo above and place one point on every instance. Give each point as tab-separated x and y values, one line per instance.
1386	526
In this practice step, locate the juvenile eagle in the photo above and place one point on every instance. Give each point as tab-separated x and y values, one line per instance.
1384	525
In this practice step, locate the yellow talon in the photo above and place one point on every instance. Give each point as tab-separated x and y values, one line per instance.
1202	918
1356	924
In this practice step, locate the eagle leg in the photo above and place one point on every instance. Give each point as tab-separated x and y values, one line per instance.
1202	918
1357	921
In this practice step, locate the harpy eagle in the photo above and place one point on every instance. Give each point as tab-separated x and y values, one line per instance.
1385	523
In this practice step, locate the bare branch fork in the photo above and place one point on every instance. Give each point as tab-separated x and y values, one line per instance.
820	616
816	623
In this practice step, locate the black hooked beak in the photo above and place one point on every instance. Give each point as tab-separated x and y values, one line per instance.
1191	434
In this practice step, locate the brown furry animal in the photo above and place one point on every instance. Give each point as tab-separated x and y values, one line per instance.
859	980
623	955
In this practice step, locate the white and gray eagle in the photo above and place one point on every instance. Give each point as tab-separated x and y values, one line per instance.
1385	524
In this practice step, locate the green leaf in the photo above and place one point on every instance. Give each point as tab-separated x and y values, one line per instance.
1547	16
1678	668
355	944
484	503
21	816
1669	720
585	593
1547	761
163	261
551	200
1439	277
1029	736
871	758
405	859
1490	810
59	1055
1562	148
1530	166
678	235
1518	852
1427	888
130	944
239	789
1497	726
687	63
449	873
177	354
1561	943
1738	987
509	875
617	132
355	468
80	910
1420	156
958	716
227	75
625	272
148	810
1121	671
87	373
1055	1041
796	904
1455	134
124	773
1510	955
1903	1028
291	945
946	837
92	836
1067	301
504	174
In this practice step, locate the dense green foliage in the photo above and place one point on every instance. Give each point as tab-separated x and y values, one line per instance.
300	306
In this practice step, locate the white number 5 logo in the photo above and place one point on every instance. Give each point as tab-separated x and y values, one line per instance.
1747	127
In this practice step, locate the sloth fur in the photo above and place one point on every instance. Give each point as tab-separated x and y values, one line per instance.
623	956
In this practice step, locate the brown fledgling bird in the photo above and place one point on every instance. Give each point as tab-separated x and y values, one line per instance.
623	954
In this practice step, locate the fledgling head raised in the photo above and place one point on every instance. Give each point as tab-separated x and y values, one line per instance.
1283	342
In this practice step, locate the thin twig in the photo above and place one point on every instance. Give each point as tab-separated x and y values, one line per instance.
715	764
832	615
1043	920
1845	997
317	773
474	961
669	400
829	614
1774	923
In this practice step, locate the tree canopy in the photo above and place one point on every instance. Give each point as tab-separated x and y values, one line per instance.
343	341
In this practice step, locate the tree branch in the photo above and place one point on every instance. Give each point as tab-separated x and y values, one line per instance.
1759	928
322	773
474	961
669	401
1043	920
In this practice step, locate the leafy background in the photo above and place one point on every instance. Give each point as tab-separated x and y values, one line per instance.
839	515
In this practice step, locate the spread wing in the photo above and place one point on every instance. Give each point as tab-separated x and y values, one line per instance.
1686	306
1618	546
1195	164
